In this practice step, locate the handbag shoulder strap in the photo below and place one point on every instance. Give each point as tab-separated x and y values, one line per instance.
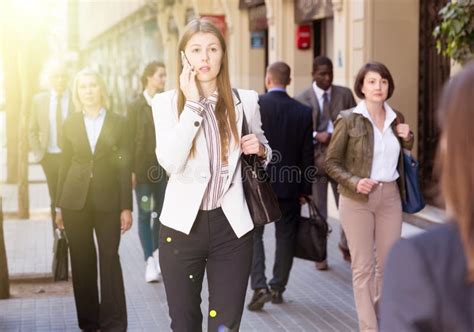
236	92
245	128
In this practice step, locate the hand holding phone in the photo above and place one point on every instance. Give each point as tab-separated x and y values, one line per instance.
187	79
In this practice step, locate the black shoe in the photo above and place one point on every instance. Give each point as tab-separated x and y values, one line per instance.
260	296
277	297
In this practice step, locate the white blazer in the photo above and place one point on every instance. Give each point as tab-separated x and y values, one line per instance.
189	176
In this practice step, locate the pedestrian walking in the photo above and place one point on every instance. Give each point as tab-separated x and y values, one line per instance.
365	158
429	279
148	177
326	101
49	111
205	221
95	197
288	126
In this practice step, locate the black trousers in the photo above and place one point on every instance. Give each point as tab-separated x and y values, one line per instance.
285	233
212	246
50	164
109	313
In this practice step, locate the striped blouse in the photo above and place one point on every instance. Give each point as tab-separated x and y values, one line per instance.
219	171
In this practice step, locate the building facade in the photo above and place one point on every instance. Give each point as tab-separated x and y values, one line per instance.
259	32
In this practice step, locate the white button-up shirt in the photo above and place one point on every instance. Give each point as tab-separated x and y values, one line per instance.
386	145
148	98
319	96
94	127
53	144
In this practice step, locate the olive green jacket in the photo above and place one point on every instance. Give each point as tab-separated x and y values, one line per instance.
350	153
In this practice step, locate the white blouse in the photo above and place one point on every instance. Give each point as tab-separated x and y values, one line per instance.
386	145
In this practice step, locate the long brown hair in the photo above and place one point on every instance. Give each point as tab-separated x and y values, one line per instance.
225	112
455	115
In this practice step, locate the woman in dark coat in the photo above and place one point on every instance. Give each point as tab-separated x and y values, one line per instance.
149	178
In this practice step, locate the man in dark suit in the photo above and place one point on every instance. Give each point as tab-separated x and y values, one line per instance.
326	100
288	127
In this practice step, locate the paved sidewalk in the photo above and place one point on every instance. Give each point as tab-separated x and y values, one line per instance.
314	301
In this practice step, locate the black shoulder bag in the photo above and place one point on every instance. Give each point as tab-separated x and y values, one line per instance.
261	199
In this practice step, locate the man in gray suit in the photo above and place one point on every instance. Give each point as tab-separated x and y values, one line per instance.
49	110
326	100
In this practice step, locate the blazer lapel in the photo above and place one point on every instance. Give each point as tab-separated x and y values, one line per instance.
105	135
82	134
235	151
314	105
334	106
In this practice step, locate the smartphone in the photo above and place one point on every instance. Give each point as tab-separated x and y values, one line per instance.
183	55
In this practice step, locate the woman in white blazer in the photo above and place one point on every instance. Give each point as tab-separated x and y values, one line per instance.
206	225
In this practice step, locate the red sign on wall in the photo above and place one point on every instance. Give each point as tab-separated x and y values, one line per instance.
303	37
218	20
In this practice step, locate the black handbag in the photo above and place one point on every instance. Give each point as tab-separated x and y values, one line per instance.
413	201
60	256
312	236
261	199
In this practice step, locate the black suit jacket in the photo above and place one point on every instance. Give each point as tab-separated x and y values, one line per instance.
143	142
425	286
105	175
288	127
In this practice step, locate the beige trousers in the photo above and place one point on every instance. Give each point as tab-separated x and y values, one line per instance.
375	224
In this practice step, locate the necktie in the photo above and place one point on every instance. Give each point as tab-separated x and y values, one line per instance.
59	120
325	114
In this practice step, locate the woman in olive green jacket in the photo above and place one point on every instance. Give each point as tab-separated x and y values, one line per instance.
365	157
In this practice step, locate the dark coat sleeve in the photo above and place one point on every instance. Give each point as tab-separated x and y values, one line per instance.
307	152
125	173
132	120
408	298
66	157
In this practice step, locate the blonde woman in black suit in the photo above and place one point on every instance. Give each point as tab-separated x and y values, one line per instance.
206	224
95	196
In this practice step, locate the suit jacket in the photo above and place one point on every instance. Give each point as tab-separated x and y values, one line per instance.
39	124
104	174
189	175
341	99
288	126
142	138
425	286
